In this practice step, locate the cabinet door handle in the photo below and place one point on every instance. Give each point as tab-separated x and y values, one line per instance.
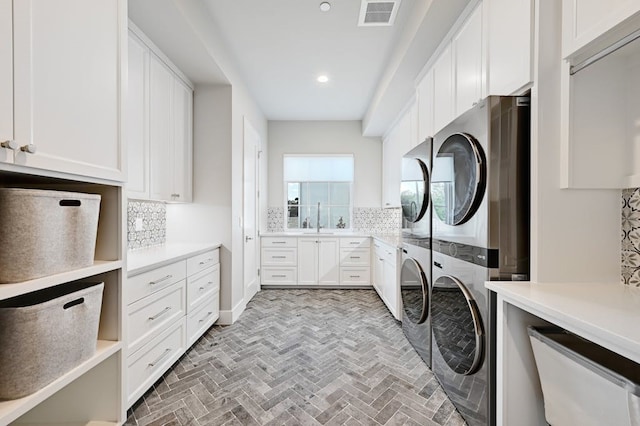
247	239
205	317
29	149
159	314
175	195
12	145
160	280
160	358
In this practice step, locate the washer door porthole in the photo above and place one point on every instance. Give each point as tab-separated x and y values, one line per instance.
414	289
414	189
457	325
459	179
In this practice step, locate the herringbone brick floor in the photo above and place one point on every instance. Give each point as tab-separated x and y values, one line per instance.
301	357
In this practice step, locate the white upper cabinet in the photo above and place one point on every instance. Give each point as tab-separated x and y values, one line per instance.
467	52
508	27
160	130
182	141
6	81
137	120
596	22
425	106
159	125
397	143
443	103
67	84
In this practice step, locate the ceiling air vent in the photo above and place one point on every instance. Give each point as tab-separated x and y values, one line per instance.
378	12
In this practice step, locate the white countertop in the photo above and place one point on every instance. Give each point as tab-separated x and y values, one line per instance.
393	239
606	314
146	259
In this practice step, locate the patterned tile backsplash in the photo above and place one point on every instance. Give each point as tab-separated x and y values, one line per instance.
374	220
154	224
630	259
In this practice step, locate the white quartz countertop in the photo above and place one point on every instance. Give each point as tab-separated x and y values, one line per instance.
606	314
146	259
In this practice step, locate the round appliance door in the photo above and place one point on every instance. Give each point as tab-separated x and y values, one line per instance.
457	325
414	289
414	189
459	179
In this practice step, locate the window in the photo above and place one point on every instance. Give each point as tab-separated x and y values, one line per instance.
324	179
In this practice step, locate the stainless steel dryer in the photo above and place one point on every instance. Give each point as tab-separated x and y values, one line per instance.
415	277
415	191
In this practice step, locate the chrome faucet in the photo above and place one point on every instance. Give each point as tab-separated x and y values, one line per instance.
318	223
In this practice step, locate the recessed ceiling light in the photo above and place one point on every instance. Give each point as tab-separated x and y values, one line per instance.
323	79
325	6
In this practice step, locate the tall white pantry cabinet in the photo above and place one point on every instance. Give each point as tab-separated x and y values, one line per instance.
61	100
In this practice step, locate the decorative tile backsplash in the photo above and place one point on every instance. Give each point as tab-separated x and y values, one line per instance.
154	224
374	220
630	259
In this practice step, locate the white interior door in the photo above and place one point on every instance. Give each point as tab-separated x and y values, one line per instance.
250	214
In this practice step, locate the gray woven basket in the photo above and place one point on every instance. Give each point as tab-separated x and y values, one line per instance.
45	232
45	334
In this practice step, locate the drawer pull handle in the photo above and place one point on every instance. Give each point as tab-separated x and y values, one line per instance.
354	257
278	257
160	358
160	280
279	276
354	276
354	242
278	242
201	288
204	262
161	313
205	317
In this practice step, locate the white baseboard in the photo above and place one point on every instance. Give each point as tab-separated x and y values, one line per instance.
229	317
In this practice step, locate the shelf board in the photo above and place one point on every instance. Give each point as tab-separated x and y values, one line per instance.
98	267
11	410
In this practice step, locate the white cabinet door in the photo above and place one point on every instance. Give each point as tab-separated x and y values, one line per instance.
443	90
509	57
67	83
396	144
137	120
307	261
328	261
584	21
467	51
182	141
160	130
378	271
390	289
6	78
425	106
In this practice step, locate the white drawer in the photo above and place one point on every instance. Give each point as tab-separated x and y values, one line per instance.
148	364
355	257
146	283
280	276
203	317
355	276
149	316
202	285
202	261
386	253
276	256
355	242
279	241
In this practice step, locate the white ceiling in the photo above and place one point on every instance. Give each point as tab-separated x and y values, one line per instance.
279	47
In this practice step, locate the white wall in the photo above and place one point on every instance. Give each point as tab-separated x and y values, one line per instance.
326	137
217	210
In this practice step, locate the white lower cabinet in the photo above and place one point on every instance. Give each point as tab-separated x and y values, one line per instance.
168	309
386	276
315	260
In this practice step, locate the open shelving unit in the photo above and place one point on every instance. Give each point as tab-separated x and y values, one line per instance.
90	393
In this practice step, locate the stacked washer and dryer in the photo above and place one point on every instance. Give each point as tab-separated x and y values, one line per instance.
480	203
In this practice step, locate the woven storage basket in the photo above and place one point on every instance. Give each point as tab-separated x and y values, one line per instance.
45	334
45	232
